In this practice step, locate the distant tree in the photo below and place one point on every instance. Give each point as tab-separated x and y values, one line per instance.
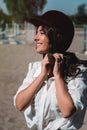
5	17
82	11
81	16
23	9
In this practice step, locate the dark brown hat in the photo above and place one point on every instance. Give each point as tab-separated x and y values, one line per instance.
58	20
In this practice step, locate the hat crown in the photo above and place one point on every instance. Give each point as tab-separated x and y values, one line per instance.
58	20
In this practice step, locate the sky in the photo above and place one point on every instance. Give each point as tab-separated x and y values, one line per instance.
3	6
67	6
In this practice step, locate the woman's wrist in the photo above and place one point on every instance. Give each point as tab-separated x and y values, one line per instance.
57	75
43	74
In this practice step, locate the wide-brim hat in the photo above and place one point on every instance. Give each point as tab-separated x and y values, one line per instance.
58	20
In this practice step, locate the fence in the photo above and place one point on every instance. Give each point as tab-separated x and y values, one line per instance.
85	40
16	33
24	33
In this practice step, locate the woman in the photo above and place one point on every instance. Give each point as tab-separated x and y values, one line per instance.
54	93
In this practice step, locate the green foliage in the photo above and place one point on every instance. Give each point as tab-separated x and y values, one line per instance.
82	10
5	17
80	17
41	4
21	10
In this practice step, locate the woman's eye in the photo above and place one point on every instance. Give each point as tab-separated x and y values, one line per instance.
42	32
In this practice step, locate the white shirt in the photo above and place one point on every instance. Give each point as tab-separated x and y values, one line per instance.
43	113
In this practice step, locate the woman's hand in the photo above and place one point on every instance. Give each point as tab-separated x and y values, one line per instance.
58	59
45	65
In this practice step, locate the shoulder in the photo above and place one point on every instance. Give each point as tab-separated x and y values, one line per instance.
83	71
34	68
34	65
81	78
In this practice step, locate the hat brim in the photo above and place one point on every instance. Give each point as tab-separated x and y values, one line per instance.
38	20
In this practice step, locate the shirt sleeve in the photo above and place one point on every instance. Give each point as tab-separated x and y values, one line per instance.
78	91
27	80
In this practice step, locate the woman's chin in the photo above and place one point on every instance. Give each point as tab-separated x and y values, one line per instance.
40	52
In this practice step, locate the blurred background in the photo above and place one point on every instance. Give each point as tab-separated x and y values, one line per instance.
14	16
17	48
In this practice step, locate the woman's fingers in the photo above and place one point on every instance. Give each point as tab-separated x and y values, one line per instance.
58	57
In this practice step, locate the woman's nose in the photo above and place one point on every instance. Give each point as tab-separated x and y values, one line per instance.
36	37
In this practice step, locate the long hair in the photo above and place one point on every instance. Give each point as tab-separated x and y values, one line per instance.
70	64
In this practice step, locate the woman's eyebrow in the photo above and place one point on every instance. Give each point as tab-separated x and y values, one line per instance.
39	30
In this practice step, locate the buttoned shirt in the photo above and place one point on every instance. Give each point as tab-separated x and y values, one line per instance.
43	113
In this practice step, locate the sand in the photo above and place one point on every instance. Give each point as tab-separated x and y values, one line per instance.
14	60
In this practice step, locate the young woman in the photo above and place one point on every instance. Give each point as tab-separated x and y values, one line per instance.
54	93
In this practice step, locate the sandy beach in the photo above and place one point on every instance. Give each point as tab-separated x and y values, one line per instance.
14	60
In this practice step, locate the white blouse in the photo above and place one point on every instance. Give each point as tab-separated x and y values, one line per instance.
43	113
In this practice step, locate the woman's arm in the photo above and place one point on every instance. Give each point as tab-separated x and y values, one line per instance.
64	99
25	97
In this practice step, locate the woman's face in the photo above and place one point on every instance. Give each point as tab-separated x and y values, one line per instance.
42	41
